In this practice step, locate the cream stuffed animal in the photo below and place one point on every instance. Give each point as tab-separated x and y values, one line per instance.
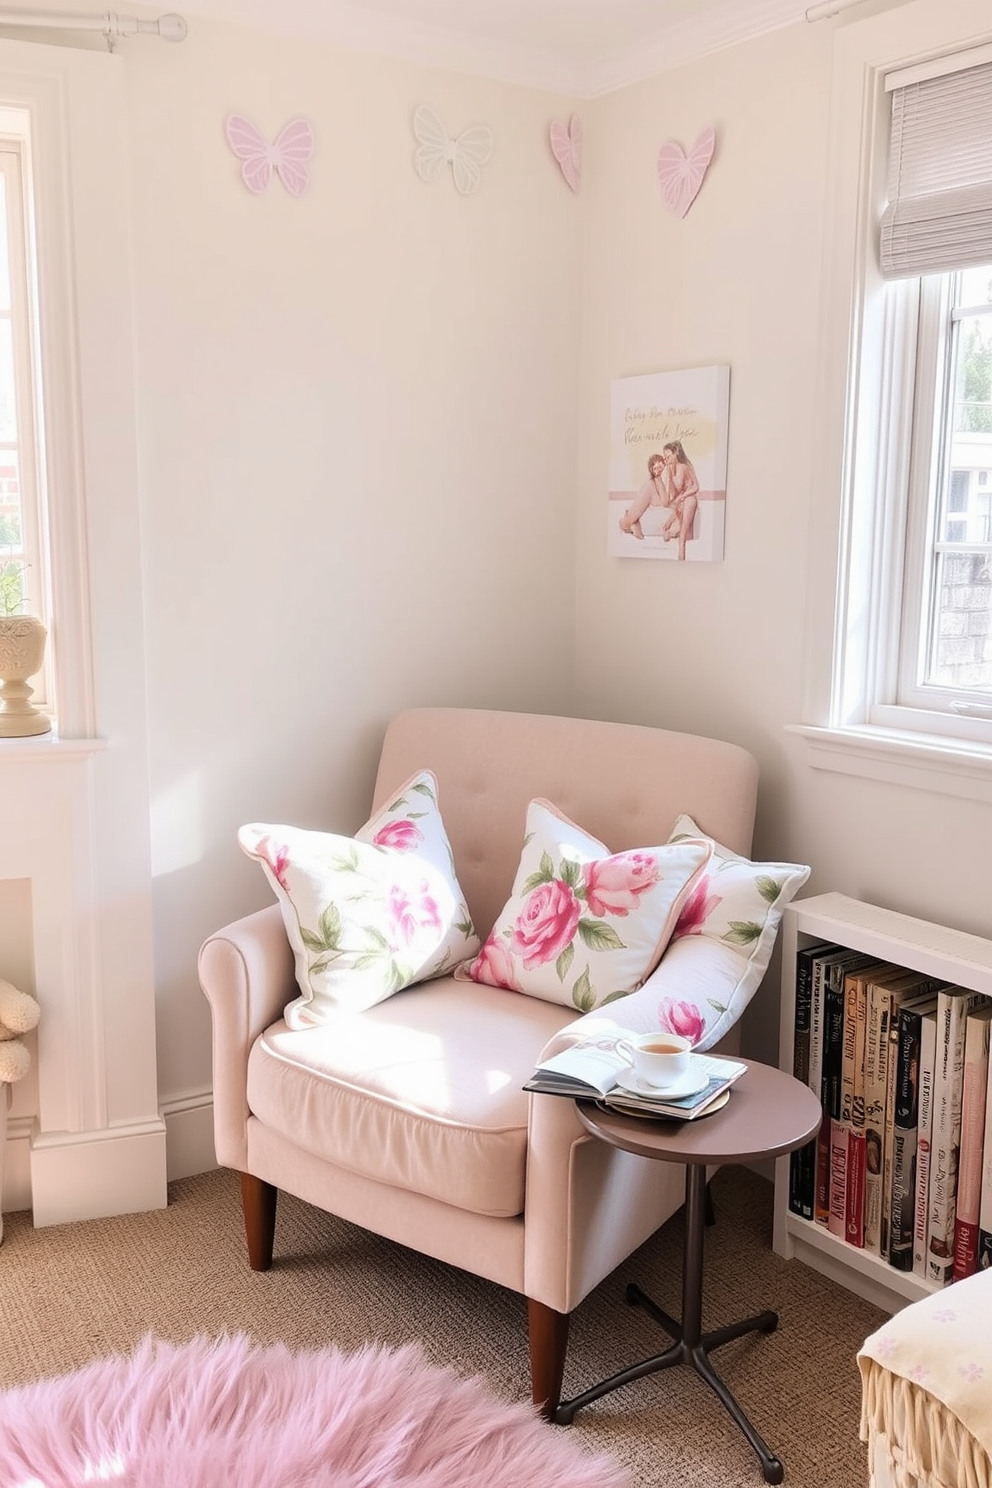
19	1013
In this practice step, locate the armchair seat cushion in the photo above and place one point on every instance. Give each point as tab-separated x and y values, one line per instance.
422	1092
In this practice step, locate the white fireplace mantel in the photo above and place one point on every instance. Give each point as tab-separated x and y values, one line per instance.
96	1141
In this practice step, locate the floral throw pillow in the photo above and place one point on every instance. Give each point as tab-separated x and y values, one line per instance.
369	914
583	926
721	945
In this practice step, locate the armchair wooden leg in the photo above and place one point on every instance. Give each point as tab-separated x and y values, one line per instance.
548	1343
258	1200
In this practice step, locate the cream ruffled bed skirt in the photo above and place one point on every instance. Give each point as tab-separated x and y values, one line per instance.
913	1440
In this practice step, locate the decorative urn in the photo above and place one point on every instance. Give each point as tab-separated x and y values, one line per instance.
22	655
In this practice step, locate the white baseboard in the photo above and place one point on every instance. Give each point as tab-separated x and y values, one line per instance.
15	1166
189	1129
93	1174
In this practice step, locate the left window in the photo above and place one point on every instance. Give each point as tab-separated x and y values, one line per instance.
24	585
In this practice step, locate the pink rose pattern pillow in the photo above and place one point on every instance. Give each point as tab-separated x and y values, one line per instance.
367	915
582	926
721	945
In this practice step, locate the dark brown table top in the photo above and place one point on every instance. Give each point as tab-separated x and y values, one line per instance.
768	1113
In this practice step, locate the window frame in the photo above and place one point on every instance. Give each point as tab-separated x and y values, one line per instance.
16	166
867	364
900	701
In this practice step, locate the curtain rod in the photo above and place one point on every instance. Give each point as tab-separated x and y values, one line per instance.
110	24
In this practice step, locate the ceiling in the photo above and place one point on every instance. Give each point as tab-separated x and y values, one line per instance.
581	47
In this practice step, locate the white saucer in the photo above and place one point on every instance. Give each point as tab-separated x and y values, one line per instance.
690	1084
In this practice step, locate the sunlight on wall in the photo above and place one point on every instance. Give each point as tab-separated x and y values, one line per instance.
177	825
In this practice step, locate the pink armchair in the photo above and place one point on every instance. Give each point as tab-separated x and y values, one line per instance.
409	1119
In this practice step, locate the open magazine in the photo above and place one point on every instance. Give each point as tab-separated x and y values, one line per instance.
595	1071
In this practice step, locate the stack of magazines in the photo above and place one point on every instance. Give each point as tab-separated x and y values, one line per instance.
594	1071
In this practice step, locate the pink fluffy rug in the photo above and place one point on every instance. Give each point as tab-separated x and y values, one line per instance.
230	1414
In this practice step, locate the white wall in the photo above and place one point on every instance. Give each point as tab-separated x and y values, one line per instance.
722	648
373	449
357	444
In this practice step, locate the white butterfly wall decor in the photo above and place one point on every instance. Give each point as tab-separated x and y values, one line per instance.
466	154
566	145
681	175
288	154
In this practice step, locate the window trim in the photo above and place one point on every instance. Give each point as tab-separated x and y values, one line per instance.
862	355
15	144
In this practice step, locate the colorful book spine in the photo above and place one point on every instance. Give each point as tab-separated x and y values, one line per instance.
826	1053
856	989
833	1054
985	1204
821	1142
876	1062
924	1130
818	1083
973	1093
912	985
802	1163
849	1047
888	1128
953	1006
906	1112
854	1202
839	1134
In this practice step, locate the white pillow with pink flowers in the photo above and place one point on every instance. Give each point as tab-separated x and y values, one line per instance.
720	948
584	926
369	914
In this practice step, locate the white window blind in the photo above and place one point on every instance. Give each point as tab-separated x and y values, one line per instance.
939	212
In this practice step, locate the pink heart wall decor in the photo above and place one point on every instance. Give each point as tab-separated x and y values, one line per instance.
566	142
681	175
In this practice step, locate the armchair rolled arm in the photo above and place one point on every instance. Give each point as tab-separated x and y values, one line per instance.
247	974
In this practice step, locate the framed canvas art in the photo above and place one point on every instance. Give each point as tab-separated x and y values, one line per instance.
668	465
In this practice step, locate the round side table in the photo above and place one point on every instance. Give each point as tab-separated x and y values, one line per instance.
768	1113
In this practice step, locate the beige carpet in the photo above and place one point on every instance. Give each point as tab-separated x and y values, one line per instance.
74	1293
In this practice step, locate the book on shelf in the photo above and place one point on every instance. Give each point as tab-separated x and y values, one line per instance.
924	1130
833	1139
985	1201
593	1071
905	1122
802	1163
831	1149
878	1008
893	995
837	1202
852	1095
817	1083
852	1091
974	1087
854	1197
953	1006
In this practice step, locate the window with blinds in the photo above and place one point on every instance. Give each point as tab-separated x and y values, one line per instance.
939	212
915	588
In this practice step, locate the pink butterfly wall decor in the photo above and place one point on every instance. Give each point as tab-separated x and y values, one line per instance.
566	144
288	155
681	175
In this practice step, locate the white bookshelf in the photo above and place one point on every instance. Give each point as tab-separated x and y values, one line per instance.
957	957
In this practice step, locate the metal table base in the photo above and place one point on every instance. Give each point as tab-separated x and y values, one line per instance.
691	1345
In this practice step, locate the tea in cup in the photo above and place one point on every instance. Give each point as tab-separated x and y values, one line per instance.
659	1059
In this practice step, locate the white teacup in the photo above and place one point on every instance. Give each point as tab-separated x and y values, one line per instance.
659	1058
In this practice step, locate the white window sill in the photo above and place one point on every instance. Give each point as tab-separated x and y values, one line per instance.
49	747
922	761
